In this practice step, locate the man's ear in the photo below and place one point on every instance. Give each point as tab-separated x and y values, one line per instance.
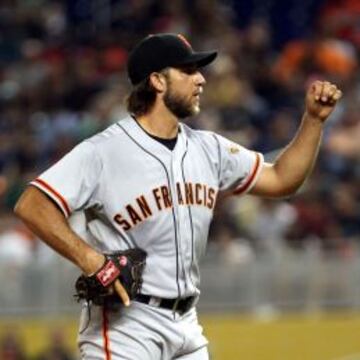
158	81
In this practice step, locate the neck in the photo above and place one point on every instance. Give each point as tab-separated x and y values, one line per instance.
160	122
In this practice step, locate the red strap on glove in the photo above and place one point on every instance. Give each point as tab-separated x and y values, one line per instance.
108	273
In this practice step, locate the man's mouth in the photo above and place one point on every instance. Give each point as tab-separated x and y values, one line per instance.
198	92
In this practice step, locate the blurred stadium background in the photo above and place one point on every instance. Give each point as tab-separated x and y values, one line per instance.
280	278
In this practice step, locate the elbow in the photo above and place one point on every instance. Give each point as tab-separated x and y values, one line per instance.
289	191
279	192
22	207
289	186
19	208
282	188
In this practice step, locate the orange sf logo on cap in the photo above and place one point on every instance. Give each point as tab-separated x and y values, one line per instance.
184	40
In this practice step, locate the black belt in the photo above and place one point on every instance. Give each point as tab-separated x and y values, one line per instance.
181	305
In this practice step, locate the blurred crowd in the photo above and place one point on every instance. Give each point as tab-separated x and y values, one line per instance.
63	78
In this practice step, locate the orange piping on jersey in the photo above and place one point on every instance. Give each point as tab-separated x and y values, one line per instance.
251	178
56	194
106	335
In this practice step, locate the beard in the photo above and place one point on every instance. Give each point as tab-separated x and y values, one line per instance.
180	106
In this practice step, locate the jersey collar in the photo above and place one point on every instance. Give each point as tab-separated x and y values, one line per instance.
139	135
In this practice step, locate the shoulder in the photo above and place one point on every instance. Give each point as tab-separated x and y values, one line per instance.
213	139
114	132
214	143
200	136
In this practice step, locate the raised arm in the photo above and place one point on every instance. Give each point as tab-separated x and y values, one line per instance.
294	164
43	217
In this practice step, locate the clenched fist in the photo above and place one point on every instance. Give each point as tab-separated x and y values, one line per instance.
321	99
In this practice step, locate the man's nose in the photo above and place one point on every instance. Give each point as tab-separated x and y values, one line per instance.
200	80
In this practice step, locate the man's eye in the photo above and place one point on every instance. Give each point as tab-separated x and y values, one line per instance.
189	70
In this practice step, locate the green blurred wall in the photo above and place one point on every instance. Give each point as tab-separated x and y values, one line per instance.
333	336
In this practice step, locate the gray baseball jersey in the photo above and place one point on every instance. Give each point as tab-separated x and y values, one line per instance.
136	192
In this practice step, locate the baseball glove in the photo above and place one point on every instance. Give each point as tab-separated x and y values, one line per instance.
127	266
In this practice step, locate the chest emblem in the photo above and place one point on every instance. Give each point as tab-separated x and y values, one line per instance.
161	198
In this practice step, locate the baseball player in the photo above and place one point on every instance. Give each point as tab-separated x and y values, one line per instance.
151	182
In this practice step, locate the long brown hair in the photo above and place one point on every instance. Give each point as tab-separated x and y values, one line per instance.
141	99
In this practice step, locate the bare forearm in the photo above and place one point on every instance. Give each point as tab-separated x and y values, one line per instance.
46	221
297	160
295	163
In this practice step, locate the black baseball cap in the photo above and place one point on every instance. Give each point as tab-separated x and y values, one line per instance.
159	51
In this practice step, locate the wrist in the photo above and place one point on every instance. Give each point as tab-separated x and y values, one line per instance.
92	262
313	119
